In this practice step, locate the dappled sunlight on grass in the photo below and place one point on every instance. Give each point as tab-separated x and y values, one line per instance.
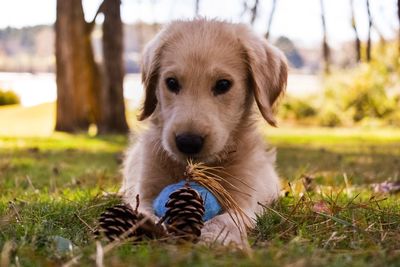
16	120
319	136
364	155
27	121
370	164
61	141
62	161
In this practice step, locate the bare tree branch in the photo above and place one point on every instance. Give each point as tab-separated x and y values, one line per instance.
245	8
377	30
398	15
253	12
369	31
357	42
325	46
271	16
197	7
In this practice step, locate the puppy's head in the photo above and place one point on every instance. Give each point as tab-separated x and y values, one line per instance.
200	79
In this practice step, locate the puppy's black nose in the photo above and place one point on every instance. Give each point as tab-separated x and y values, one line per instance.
189	143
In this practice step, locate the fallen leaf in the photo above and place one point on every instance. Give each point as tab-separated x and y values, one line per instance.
321	207
387	187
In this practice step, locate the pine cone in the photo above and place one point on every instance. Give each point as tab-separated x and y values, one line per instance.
184	215
120	222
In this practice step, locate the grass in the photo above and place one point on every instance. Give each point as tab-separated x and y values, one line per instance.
54	186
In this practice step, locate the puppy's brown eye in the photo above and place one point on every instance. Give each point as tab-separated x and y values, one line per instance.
173	85
221	87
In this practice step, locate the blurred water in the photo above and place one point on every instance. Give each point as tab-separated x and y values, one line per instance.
35	89
32	89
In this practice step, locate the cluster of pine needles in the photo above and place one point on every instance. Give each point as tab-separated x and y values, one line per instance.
212	179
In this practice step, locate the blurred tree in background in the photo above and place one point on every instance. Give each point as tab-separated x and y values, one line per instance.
357	42
88	93
398	15
75	68
369	31
271	17
112	104
325	47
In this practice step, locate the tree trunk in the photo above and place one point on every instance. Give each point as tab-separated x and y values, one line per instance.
398	15
369	44
357	42
72	111
113	117
271	16
325	46
76	71
196	7
253	12
65	121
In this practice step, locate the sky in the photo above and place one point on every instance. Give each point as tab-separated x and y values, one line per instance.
297	19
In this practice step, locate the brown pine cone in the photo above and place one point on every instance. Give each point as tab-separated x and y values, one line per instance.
184	215
121	222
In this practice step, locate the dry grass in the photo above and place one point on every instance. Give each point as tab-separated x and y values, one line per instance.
209	178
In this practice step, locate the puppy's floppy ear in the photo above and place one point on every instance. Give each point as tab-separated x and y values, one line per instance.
150	71
268	73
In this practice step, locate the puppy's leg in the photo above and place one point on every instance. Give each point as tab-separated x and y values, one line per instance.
145	206
140	178
132	167
222	229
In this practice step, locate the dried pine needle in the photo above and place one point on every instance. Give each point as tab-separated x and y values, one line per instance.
201	174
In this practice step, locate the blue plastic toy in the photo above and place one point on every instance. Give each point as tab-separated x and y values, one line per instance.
211	204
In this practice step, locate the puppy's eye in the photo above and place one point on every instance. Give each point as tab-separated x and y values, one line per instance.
173	85
221	87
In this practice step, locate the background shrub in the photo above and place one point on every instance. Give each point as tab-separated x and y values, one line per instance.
366	95
8	98
293	108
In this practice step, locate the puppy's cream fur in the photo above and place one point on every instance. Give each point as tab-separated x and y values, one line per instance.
198	53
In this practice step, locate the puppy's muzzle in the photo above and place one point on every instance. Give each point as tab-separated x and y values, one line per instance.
188	143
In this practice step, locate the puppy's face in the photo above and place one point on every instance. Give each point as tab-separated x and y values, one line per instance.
200	83
201	92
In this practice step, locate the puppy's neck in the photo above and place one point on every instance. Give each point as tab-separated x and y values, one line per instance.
246	140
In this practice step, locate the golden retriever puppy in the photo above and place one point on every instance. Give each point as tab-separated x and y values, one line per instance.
202	79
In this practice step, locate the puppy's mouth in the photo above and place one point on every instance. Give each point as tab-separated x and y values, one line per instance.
216	158
210	158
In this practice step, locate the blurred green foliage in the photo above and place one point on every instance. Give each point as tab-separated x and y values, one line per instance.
367	95
297	108
8	98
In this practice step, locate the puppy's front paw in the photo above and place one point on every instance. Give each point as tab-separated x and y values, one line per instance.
221	229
